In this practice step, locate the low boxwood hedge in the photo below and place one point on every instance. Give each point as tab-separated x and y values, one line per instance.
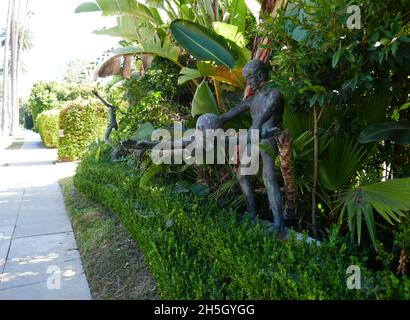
48	124
196	250
82	121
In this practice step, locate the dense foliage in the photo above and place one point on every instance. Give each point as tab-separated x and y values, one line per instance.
197	251
347	112
347	79
26	118
48	125
81	122
53	95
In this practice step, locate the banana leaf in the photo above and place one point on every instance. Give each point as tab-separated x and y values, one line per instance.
203	43
204	100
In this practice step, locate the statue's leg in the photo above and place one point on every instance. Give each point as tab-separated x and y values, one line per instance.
247	189
272	187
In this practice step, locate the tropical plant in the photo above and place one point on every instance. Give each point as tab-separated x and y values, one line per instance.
208	32
321	64
15	38
398	132
390	199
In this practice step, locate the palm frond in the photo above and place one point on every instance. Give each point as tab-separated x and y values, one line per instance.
299	122
339	162
390	199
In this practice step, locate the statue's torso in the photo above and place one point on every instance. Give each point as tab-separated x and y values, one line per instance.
267	106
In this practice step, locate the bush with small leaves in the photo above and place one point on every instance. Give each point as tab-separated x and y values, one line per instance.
81	123
48	124
196	250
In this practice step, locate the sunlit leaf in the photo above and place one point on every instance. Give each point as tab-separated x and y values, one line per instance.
188	74
204	100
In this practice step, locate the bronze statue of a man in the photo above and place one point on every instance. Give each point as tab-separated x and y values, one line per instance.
266	107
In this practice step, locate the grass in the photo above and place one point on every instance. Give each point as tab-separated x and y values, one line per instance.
114	267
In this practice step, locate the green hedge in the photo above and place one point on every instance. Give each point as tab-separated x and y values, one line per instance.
53	95
48	124
197	251
82	122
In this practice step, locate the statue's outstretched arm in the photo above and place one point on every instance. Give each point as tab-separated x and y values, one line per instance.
167	145
237	110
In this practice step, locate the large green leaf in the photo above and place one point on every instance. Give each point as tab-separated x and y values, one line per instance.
126	28
204	100
87	7
390	199
150	43
202	43
188	74
230	32
394	131
236	41
118	7
238	14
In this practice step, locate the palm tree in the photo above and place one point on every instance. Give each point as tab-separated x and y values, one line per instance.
15	38
5	111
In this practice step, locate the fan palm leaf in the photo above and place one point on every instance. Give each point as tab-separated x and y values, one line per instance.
390	199
339	162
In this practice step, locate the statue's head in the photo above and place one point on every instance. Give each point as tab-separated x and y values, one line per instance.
255	72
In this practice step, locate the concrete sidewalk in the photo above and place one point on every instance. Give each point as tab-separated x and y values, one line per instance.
38	253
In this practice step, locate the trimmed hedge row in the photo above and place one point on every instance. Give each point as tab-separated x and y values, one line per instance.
82	122
197	251
48	124
53	95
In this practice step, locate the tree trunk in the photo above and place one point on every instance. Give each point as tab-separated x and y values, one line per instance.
285	157
5	116
316	119
21	32
14	69
315	169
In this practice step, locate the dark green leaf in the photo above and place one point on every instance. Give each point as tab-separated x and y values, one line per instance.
202	43
336	57
393	131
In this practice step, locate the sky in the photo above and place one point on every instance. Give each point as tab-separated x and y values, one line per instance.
59	35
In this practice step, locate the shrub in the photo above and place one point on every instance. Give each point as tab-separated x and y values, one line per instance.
53	95
82	122
47	123
154	98
26	118
162	76
151	108
43	97
195	250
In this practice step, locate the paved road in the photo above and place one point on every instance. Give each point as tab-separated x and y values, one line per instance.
38	253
